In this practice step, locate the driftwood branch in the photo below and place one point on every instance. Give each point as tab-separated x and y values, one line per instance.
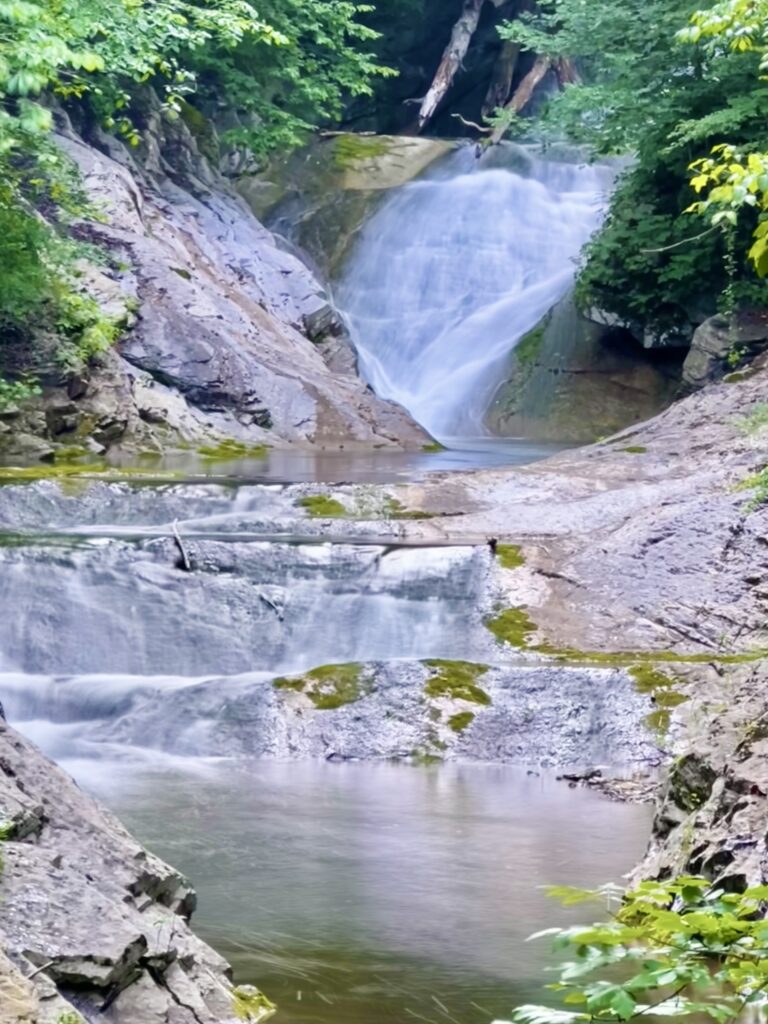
454	54
523	93
472	124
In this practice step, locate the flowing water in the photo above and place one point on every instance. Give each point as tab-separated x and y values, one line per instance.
455	268
356	893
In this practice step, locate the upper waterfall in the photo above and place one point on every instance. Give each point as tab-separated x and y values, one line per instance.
455	268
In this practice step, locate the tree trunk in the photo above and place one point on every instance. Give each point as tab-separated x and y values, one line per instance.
501	80
524	93
454	54
567	72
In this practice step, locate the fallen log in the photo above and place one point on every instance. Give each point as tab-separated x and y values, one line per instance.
454	54
523	94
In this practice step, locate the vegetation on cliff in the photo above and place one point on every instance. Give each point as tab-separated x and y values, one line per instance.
277	71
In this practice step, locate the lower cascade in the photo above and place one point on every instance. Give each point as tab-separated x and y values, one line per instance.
456	267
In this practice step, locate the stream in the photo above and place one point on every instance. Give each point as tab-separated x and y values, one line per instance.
360	892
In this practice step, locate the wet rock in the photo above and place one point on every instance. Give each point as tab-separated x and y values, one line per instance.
224	311
545	716
61	418
720	345
571	380
99	921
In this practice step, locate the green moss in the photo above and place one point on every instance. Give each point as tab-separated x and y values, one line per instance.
322	506
70	1017
527	349
755	421
330	686
661	687
515	627
461	721
352	149
759	484
182	272
435	446
232	449
510	556
457	680
201	129
635	449
7	831
425	757
251	1005
394	509
740	375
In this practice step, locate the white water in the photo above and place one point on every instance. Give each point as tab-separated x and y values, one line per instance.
454	269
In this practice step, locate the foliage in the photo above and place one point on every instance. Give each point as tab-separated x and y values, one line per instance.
283	68
16	391
648	93
684	948
279	93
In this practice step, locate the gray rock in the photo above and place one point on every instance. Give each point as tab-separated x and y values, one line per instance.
100	922
717	341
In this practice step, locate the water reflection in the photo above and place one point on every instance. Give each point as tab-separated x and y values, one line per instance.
376	892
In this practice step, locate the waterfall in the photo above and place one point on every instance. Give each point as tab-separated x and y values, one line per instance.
455	268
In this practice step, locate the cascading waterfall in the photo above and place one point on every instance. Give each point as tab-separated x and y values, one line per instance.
455	268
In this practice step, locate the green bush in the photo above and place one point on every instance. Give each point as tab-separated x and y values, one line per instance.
685	948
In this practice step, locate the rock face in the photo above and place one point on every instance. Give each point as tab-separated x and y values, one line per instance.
92	925
535	716
719	346
320	197
573	380
712	813
225	330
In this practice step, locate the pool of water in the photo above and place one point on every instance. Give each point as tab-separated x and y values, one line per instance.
334	466
373	893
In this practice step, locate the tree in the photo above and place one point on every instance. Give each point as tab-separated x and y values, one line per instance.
647	94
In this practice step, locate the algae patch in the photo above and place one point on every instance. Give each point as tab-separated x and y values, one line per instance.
231	449
461	721
322	506
510	556
457	680
330	686
661	688
634	449
514	626
251	1005
394	509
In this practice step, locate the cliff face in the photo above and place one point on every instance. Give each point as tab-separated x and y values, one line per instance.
92	924
227	335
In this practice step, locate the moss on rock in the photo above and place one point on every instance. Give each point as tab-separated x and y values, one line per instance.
322	506
457	680
510	556
461	721
330	686
251	1005
514	626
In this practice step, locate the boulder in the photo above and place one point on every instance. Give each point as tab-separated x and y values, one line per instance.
573	379
91	924
720	345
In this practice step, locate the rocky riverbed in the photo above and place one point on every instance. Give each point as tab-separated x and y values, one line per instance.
623	580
